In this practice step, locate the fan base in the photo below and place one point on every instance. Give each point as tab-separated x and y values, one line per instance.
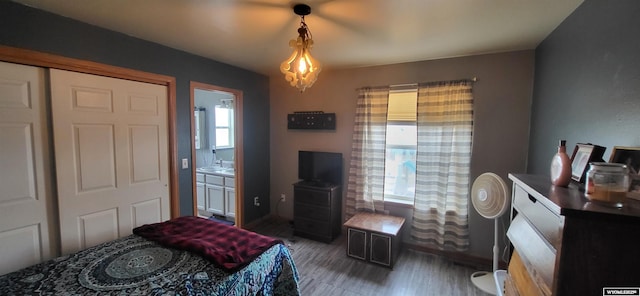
484	281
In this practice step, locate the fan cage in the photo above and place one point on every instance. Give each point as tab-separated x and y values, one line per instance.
489	195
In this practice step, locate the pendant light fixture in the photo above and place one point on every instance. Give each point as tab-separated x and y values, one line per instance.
301	69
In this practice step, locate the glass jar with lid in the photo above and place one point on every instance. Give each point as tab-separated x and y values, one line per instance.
607	183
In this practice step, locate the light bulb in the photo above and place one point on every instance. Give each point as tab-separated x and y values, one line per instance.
302	66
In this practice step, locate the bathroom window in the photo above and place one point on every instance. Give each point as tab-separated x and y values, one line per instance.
224	127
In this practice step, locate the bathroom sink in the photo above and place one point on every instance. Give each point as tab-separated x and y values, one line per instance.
220	170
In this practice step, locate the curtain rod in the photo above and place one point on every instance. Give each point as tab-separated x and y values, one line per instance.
473	79
406	86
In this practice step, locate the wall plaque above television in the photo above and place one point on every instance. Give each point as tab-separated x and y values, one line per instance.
315	120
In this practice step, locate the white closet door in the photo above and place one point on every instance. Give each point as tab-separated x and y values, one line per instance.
26	199
110	138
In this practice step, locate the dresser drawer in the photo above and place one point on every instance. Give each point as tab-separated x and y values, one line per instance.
312	227
313	197
322	214
535	254
540	217
519	281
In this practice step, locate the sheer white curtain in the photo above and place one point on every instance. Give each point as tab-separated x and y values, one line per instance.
445	126
365	187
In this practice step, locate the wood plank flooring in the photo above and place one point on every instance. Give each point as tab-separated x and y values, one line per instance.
325	269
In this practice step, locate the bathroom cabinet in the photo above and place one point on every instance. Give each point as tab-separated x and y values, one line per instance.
215	194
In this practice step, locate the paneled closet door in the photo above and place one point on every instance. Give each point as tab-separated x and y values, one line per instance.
27	235
111	144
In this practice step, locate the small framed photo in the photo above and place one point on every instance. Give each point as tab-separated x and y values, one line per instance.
582	155
627	155
631	157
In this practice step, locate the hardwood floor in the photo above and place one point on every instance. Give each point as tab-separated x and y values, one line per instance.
325	269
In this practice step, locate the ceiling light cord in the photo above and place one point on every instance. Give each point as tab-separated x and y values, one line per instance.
304	30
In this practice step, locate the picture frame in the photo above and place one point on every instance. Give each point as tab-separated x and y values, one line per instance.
631	157
583	154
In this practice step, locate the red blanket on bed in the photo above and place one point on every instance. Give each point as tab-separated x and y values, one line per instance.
226	246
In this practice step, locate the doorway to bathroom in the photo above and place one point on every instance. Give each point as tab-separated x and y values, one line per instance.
216	123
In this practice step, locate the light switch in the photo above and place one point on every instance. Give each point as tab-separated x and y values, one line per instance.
185	163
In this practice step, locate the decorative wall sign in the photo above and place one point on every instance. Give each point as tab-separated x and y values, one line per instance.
314	120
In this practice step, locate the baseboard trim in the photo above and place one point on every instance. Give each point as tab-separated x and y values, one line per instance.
253	224
458	257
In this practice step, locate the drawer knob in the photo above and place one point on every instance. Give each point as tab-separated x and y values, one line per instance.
532	199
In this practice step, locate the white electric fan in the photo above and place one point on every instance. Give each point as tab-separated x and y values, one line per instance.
490	199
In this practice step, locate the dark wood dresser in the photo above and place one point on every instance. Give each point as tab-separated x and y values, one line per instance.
565	245
317	211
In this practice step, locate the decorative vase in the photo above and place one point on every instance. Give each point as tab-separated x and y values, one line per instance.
561	166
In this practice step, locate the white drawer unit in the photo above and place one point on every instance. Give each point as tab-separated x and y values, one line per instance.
563	244
215	195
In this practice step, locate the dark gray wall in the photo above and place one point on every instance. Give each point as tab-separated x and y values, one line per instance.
28	28
587	82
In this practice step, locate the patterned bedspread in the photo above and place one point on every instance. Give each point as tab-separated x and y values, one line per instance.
136	266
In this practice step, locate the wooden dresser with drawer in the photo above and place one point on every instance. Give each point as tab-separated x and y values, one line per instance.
565	245
317	211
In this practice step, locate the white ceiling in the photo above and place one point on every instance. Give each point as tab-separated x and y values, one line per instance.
254	34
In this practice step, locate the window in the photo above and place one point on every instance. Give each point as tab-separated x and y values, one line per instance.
224	124
401	145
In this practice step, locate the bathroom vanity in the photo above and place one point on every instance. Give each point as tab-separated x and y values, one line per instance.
216	195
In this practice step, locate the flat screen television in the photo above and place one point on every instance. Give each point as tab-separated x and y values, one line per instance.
320	168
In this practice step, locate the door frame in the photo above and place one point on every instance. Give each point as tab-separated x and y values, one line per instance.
238	150
46	60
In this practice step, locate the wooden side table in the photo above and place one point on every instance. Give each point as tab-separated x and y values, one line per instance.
374	238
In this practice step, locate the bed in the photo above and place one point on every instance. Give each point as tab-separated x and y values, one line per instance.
182	256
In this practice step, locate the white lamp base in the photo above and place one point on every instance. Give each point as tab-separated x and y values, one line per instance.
484	281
